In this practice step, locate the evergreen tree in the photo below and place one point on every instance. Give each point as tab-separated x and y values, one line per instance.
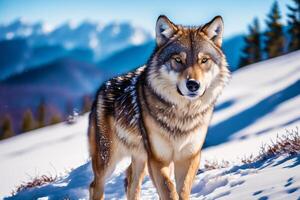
28	121
252	51
41	114
294	26
274	44
55	119
86	104
6	128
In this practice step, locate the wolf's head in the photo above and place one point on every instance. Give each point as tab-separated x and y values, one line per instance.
188	63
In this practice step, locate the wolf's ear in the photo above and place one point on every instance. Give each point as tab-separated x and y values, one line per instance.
164	30
214	30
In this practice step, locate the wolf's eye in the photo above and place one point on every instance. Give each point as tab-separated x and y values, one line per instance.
204	60
178	60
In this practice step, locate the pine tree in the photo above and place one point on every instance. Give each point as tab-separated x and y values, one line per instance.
274	44
55	119
252	51
28	123
86	104
294	26
41	114
6	128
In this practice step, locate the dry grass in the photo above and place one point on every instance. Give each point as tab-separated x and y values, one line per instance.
214	164
35	182
287	144
41	180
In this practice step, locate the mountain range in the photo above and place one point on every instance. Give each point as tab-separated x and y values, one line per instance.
34	44
65	63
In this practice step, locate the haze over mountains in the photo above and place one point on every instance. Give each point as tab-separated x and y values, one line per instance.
35	44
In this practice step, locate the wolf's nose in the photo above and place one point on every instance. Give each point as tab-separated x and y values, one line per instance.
192	85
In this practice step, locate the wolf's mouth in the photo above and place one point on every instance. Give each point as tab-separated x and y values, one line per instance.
192	95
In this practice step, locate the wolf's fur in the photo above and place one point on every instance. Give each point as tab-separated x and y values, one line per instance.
150	115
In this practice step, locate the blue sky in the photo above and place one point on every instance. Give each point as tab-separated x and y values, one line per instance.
237	14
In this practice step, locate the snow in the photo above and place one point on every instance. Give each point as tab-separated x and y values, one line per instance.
94	42
9	35
116	29
257	181
102	39
261	101
52	150
138	37
47	28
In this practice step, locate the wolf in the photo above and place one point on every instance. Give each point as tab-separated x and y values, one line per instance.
159	113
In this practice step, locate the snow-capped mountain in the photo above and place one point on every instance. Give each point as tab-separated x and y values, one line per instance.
103	39
99	39
38	43
261	101
20	29
117	36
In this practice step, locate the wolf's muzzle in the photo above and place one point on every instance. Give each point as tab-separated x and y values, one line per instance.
192	85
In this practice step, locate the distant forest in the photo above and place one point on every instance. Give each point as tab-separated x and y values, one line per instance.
275	40
40	118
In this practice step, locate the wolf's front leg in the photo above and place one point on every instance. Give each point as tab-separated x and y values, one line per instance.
185	172
159	173
134	176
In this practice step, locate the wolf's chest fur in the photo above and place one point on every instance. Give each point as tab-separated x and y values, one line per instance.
172	131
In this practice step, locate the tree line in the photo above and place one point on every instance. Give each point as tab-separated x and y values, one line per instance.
274	41
40	119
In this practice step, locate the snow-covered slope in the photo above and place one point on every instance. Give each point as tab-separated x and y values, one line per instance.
260	102
52	150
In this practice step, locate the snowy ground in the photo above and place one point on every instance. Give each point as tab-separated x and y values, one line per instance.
260	102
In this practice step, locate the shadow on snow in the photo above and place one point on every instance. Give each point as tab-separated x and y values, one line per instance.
222	131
